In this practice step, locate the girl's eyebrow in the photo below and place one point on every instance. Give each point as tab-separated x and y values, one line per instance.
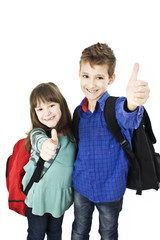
38	107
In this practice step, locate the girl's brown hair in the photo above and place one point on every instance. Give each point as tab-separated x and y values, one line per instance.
49	92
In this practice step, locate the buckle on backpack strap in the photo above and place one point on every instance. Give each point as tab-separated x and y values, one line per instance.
124	144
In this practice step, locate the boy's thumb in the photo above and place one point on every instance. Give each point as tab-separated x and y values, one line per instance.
135	72
54	136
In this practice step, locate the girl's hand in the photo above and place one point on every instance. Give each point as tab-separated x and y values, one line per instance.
49	146
137	90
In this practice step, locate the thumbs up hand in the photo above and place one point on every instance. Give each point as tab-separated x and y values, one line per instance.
49	146
54	137
137	90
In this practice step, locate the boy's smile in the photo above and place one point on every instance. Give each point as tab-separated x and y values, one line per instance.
94	82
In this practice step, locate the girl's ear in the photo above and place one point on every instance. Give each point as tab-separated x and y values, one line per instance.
111	79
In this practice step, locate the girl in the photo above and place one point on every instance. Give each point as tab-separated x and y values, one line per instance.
48	199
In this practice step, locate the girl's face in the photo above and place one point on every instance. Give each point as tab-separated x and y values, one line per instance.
48	113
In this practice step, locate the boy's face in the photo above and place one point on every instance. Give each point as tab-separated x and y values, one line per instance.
94	81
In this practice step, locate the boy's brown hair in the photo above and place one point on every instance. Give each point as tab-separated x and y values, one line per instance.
99	54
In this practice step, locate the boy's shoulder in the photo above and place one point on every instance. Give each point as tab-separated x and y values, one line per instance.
102	102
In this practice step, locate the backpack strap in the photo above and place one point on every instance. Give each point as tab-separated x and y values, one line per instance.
38	172
75	124
110	118
114	128
36	175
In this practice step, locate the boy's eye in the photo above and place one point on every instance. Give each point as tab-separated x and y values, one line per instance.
85	76
100	78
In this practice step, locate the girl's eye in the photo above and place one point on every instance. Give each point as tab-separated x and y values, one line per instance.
51	105
39	109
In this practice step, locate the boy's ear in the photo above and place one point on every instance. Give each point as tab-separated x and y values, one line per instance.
111	79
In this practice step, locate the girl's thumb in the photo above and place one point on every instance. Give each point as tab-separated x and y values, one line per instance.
54	136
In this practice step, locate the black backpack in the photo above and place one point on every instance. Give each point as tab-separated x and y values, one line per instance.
144	170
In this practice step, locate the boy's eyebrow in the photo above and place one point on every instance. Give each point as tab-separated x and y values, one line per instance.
99	74
85	73
102	75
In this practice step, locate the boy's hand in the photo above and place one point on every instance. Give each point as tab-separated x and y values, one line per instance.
49	146
137	90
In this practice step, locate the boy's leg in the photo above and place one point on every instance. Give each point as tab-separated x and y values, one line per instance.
108	217
83	210
37	225
54	229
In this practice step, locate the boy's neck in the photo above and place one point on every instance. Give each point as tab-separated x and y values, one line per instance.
91	106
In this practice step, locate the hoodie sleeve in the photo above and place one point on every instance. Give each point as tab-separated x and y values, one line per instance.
38	136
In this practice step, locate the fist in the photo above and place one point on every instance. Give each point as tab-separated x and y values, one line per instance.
137	90
49	146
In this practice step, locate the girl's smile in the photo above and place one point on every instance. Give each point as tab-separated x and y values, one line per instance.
49	119
48	113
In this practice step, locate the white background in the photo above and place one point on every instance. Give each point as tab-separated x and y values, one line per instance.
42	41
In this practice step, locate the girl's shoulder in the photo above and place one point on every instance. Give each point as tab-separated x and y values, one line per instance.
66	141
38	130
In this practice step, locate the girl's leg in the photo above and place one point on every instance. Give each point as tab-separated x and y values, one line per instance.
37	225
54	229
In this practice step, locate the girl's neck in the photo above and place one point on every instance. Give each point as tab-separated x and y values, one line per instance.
60	134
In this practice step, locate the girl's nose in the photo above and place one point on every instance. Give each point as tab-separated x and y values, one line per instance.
47	112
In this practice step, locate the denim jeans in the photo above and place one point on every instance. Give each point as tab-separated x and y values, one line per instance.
108	218
38	226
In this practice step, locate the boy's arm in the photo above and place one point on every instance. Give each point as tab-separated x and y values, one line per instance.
137	90
44	145
127	119
129	111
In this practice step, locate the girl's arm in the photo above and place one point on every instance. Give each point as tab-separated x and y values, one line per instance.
44	145
38	137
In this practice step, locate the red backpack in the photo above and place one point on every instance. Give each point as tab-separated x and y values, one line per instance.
14	175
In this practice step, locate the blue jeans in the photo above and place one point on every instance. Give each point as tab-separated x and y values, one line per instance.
108	218
38	226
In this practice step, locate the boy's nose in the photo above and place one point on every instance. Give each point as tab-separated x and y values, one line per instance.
91	83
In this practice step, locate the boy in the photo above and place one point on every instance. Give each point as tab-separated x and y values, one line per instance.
100	169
